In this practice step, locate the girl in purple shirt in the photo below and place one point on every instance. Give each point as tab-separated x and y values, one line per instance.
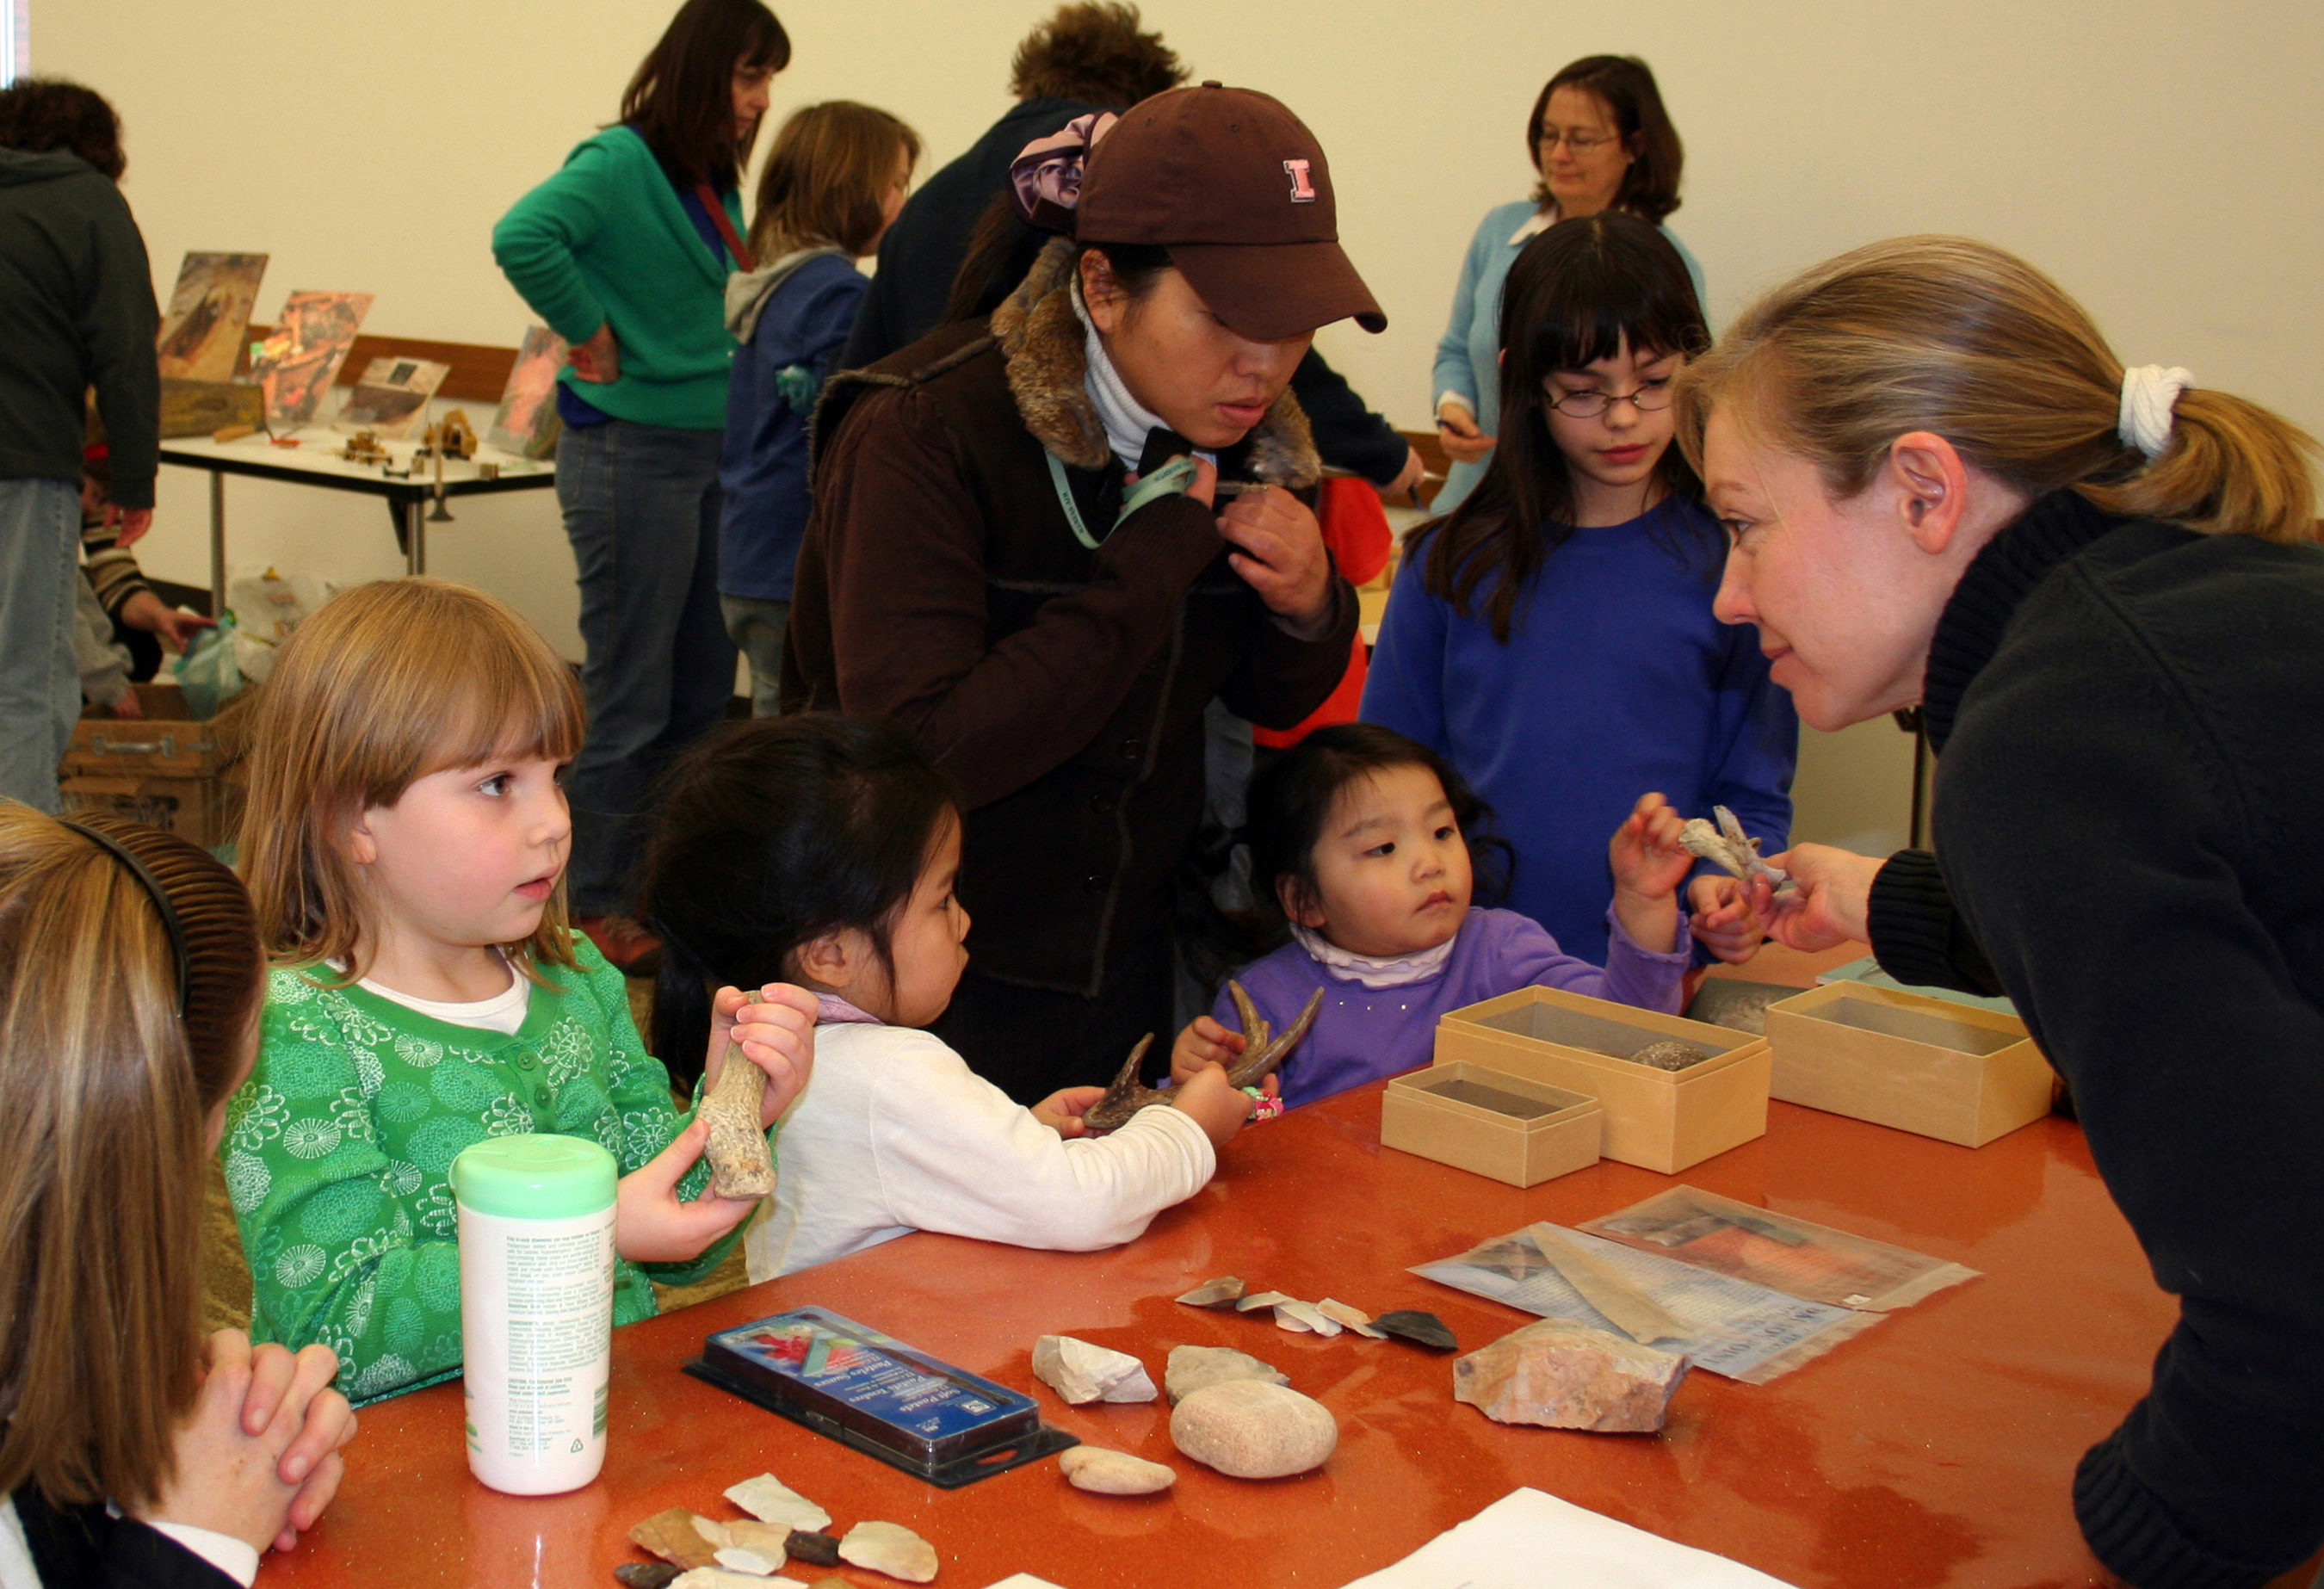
1364	835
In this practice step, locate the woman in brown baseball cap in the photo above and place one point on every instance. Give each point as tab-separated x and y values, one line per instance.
1018	550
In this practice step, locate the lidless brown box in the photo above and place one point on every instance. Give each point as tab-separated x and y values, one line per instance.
1491	1123
1928	1066
162	769
1659	1120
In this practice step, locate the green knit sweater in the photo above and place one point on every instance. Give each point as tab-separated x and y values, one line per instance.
605	242
337	1148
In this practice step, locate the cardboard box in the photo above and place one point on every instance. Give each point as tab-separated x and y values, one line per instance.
1658	1120
202	810
162	769
1927	1065
1491	1123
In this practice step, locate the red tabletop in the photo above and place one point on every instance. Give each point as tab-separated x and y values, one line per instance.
1936	1448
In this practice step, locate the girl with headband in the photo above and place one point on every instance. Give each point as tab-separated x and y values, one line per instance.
132	1451
1045	542
2100	586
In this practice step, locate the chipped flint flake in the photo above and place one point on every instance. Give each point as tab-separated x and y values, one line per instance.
1310	1317
1355	1318
771	1500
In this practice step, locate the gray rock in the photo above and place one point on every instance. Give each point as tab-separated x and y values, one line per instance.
1196	1368
1251	1429
1669	1056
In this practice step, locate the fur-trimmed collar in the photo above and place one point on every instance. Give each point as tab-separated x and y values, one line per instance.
1041	339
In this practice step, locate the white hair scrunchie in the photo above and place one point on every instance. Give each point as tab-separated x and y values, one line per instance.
2149	392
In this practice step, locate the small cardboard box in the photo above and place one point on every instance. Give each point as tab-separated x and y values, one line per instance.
1491	1123
1658	1120
201	810
1944	1070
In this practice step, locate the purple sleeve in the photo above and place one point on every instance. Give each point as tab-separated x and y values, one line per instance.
1632	975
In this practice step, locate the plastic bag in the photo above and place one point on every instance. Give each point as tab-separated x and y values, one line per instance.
267	608
209	672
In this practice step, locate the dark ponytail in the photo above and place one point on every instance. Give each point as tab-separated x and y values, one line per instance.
774	833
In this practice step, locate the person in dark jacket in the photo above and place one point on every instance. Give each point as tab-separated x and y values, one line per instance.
77	311
1014	552
1086	57
2102	588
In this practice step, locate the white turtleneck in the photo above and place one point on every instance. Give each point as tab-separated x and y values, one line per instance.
1127	420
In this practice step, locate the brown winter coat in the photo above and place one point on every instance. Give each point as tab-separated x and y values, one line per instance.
940	585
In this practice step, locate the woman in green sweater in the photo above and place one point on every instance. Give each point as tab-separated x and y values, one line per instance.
625	252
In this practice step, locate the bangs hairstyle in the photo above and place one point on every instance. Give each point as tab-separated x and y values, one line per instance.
827	178
1291	798
387	683
1625	86
1096	53
1574	295
682	100
41	115
773	833
1958	337
104	1092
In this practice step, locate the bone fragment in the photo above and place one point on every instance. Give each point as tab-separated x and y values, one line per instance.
740	1166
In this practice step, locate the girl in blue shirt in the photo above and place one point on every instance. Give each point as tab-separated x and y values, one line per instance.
832	187
1552	638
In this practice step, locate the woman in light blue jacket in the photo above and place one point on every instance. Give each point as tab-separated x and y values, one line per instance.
1601	139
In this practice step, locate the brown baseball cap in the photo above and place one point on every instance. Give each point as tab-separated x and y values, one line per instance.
1239	191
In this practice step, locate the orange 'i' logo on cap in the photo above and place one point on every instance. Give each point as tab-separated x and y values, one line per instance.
1303	191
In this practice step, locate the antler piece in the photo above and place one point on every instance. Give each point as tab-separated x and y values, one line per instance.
1258	1063
1125	1097
740	1163
1254	1025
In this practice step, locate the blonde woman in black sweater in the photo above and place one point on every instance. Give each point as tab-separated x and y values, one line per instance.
2100	586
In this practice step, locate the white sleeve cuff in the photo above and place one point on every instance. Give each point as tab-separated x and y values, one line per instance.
232	1557
1449	395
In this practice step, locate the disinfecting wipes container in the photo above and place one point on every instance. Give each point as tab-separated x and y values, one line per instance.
536	1308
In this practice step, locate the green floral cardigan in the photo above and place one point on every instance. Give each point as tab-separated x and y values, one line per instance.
339	1147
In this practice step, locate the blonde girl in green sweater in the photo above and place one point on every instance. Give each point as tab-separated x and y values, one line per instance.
404	846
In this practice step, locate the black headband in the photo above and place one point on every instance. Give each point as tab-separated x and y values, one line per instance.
161	897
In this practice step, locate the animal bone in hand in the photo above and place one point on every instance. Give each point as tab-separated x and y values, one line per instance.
1730	848
1262	1052
740	1164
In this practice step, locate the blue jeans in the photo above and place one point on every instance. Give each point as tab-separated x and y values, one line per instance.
40	687
641	507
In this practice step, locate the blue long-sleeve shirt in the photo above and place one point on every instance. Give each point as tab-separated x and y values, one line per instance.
1615	680
1468	353
769	395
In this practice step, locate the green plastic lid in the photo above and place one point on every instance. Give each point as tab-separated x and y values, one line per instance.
535	1177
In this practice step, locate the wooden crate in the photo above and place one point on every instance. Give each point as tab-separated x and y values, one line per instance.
1659	1120
163	769
197	407
1491	1123
1927	1065
202	810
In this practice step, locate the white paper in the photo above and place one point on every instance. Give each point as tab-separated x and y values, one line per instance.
1530	1540
1022	1581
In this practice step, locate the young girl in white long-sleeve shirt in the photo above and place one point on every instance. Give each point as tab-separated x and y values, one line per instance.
824	849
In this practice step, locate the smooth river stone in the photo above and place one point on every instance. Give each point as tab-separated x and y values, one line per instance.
1251	1429
1080	1371
1196	1368
1112	1472
1565	1376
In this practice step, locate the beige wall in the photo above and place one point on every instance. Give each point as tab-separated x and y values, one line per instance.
2163	160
